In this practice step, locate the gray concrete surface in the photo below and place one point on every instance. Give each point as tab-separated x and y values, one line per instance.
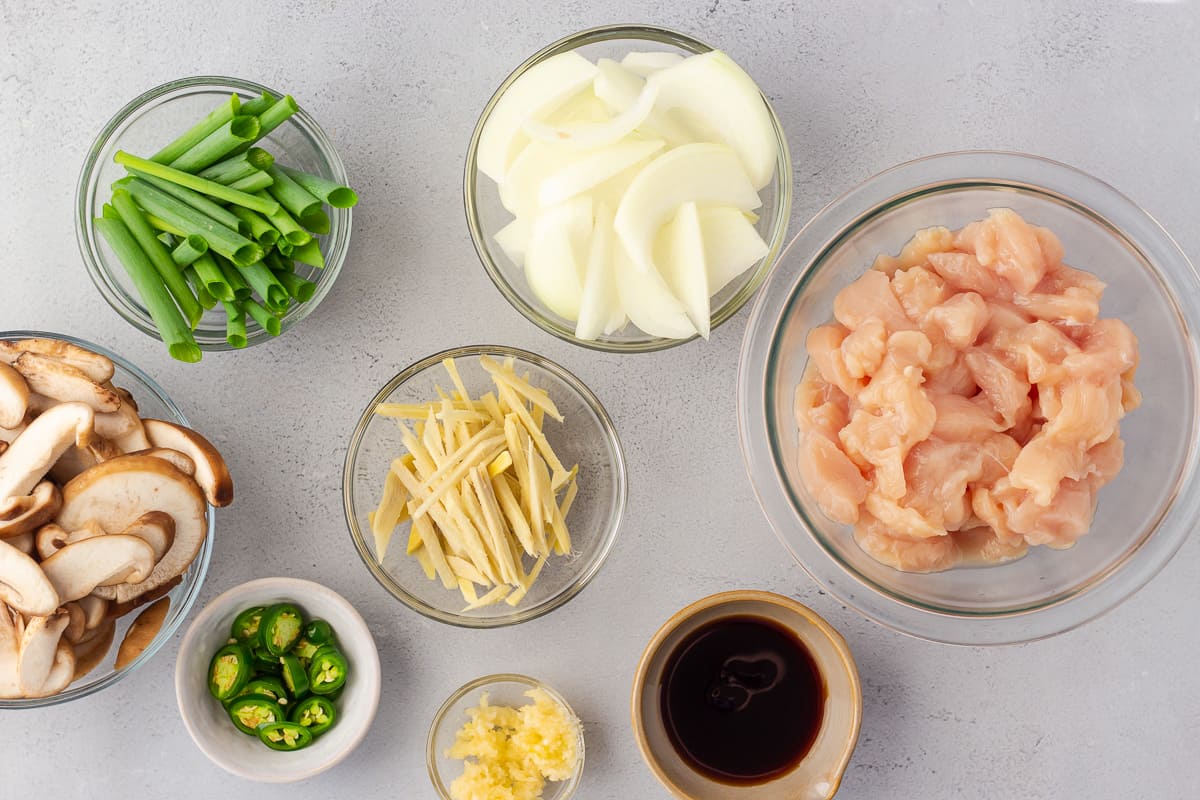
1107	711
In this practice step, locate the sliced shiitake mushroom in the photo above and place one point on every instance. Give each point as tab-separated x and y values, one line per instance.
81	567
211	472
116	492
64	382
78	622
53	537
34	451
39	652
29	512
118	610
14	397
173	457
95	611
123	428
95	366
10	653
23	584
76	459
142	632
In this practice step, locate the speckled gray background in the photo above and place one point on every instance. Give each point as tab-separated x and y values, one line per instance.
1108	711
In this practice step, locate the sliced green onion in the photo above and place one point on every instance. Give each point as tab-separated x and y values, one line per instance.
213	278
287	225
256	202
277	114
188	250
309	253
284	247
224	140
197	201
187	220
292	195
331	192
316	222
160	224
206	300
237	167
215	119
263	231
299	288
277	262
266	285
235	324
253	183
170	323
259	104
265	319
158	255
241	289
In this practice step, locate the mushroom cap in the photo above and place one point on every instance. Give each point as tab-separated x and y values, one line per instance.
155	528
211	472
80	567
114	493
14	397
64	382
53	537
89	652
20	515
142	632
23	584
39	651
175	458
97	367
30	456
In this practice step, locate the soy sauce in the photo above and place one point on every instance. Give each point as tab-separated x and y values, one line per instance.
742	700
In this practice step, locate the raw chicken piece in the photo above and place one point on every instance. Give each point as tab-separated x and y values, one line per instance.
981	547
1105	461
819	405
927	555
1044	463
964	272
864	348
1005	390
1036	350
1088	412
955	378
870	298
962	419
1072	307
1109	349
824	345
1008	245
1052	249
1059	524
916	251
937	474
1000	452
960	319
833	478
918	289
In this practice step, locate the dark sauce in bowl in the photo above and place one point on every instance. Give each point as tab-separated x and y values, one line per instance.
742	700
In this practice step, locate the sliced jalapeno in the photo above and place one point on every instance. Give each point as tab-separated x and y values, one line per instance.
251	710
268	687
264	662
245	625
315	713
319	632
284	736
280	628
327	671
229	671
304	650
294	676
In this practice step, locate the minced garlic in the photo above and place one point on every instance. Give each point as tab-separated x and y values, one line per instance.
510	753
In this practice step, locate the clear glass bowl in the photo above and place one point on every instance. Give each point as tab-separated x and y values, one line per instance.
486	214
143	126
1143	516
502	690
152	401
586	438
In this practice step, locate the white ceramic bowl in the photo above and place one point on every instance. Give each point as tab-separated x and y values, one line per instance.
209	724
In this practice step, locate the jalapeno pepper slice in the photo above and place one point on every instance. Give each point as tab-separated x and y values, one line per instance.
268	687
280	628
264	663
229	671
295	678
251	710
319	632
304	650
284	736
315	713
245	625
327	671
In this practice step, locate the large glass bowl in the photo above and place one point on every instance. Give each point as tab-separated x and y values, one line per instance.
586	437
156	117
486	214
152	402
1143	516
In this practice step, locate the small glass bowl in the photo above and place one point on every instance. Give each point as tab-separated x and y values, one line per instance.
586	438
502	690
1143	516
143	126
486	214
152	401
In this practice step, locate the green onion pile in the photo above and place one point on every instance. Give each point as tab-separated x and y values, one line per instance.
213	219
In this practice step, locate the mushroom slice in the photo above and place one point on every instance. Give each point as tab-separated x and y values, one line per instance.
39	651
23	542
76	459
211	472
64	382
28	513
81	567
90	652
95	611
14	397
62	672
95	366
142	632
31	454
123	393
118	610
124	428
155	528
53	537
115	493
23	584
78	622
175	458
10	653
9	435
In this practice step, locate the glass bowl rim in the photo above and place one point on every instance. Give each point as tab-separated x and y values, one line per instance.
201	562
100	273
782	180
432	756
758	364
590	569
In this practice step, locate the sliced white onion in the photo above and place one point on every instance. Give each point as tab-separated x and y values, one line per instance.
646	299
648	63
536	162
600	302
587	135
513	239
683	266
731	245
554	259
594	168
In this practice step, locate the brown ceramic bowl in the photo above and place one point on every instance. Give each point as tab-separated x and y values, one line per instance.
818	775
